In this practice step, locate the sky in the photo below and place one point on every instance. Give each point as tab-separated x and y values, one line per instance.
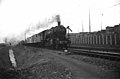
17	16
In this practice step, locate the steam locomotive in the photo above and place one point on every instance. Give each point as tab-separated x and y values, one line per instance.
54	37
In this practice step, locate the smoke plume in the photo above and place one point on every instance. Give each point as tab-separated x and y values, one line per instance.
43	24
14	39
57	18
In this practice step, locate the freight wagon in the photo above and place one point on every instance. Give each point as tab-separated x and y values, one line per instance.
108	39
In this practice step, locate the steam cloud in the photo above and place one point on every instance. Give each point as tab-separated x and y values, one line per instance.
14	39
57	18
44	24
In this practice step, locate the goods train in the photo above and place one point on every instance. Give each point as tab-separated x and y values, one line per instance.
108	39
53	38
58	38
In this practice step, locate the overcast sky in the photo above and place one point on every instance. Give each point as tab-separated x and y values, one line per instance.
18	15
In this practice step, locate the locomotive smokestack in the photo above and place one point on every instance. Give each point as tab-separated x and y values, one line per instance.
58	20
58	23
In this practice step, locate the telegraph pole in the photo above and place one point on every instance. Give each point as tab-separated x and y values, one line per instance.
82	27
89	22
101	20
25	36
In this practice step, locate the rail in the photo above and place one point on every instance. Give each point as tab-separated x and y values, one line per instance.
105	54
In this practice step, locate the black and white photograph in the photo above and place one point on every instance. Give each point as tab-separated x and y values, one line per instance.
59	39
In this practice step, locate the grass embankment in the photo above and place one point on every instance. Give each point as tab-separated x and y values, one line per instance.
33	63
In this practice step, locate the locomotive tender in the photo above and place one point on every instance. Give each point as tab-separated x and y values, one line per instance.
54	38
108	39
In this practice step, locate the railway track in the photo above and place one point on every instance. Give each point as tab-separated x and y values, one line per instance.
96	53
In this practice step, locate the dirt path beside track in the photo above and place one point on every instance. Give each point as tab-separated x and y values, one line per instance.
82	70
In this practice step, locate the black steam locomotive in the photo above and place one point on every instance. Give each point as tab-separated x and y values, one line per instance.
52	38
